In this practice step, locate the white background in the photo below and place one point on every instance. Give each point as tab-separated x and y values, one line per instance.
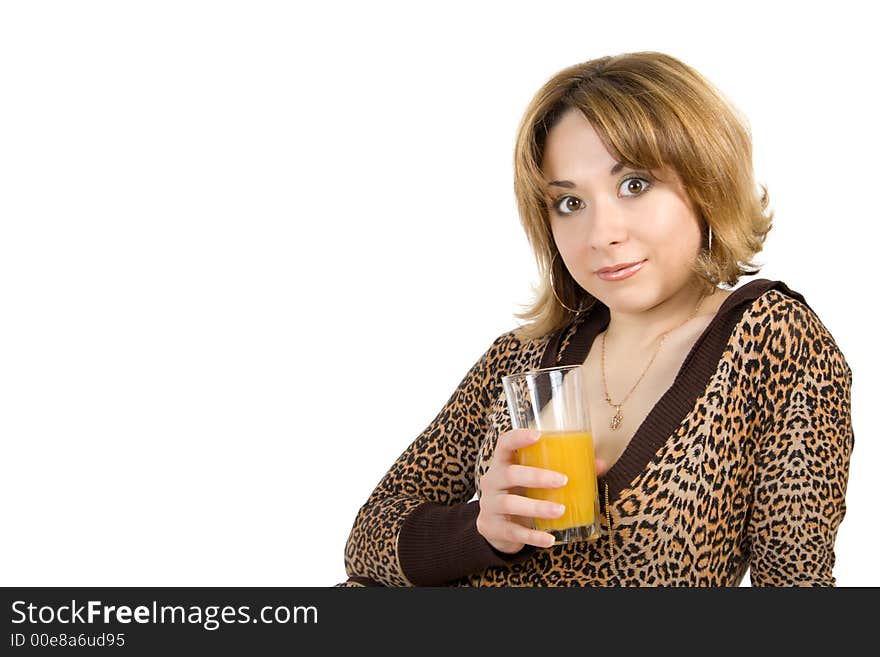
249	249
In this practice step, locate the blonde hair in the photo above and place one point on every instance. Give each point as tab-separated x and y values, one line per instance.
651	111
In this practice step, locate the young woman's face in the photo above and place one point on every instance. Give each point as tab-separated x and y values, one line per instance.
600	219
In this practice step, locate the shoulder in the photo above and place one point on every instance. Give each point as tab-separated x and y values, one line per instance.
516	340
789	335
512	351
789	316
779	306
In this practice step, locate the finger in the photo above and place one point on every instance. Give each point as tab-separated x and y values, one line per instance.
528	476
516	533
601	466
526	507
513	440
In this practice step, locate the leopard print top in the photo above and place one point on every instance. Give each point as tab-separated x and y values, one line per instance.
741	466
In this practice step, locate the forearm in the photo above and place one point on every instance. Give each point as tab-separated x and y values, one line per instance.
434	544
372	547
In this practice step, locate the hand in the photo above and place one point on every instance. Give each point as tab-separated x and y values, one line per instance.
505	514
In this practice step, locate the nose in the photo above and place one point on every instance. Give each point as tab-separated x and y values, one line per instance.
607	225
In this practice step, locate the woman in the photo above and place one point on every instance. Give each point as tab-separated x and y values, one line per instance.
721	417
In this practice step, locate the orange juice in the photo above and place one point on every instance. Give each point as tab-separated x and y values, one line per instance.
569	452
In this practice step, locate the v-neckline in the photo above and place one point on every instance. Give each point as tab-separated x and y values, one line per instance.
689	383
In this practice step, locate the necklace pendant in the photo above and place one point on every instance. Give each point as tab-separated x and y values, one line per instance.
617	419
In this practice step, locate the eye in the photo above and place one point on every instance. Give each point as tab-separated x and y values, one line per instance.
642	185
563	202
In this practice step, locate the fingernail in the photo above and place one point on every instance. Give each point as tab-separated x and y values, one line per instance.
562	480
550	541
560	509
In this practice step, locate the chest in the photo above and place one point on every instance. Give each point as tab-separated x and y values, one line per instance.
621	374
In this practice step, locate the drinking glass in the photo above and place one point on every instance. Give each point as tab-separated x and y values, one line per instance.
552	401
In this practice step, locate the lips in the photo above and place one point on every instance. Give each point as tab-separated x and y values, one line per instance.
613	268
619	273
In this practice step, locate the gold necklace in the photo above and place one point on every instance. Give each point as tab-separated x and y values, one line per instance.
618	416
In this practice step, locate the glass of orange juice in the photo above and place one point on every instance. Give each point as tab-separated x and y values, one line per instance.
552	401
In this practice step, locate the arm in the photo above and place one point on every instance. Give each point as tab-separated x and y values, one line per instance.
418	526
803	454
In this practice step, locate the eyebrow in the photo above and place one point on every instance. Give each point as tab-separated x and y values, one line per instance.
570	185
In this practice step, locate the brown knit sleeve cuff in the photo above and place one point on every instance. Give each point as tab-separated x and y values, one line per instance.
440	543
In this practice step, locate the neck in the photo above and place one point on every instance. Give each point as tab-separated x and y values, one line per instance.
643	329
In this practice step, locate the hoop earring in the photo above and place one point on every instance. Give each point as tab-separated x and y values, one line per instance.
710	239
553	288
